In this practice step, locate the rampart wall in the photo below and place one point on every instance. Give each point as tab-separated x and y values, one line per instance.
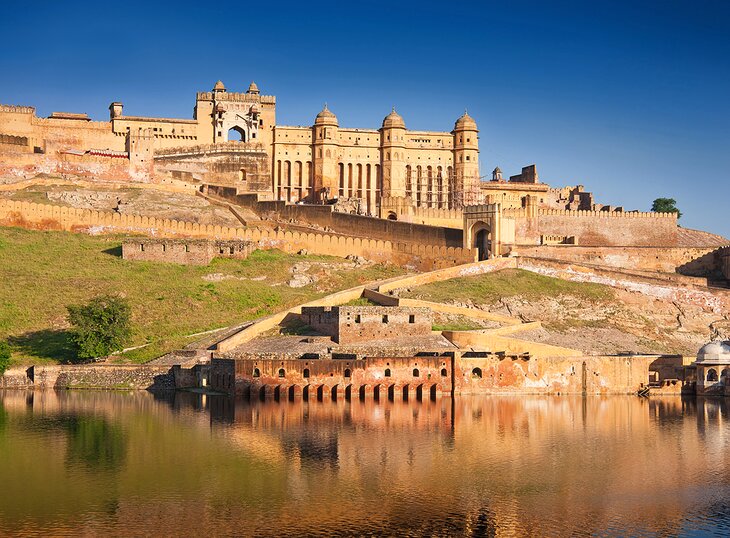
357	225
600	228
50	217
688	261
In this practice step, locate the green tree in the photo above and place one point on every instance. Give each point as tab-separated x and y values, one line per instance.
666	205
4	357
101	326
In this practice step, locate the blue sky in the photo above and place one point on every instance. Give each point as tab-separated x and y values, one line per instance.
630	99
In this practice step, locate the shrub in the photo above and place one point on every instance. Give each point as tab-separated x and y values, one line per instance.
100	327
4	357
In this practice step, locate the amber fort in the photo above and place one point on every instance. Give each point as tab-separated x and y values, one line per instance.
415	199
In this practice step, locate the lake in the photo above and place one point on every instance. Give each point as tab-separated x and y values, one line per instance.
90	463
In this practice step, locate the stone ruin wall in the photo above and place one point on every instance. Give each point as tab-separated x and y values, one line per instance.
193	252
50	217
352	324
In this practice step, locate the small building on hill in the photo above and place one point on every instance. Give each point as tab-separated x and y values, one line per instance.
184	251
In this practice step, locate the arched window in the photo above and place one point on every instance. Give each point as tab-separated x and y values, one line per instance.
305	373
712	375
444	372
416	373
347	372
725	376
282	373
256	372
476	373
387	372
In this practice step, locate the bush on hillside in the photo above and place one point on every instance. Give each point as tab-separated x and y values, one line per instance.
4	357
101	326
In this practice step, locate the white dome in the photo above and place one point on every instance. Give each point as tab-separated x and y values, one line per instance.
716	351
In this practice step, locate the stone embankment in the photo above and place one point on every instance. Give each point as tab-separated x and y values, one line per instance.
90	376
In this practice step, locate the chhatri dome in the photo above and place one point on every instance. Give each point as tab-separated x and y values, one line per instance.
325	117
393	120
219	87
465	122
717	351
253	88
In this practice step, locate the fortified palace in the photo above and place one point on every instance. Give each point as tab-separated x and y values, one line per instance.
412	198
347	181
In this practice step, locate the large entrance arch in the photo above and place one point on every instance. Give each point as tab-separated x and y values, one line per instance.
236	134
483	230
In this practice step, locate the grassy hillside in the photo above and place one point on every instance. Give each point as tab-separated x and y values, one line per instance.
42	272
491	287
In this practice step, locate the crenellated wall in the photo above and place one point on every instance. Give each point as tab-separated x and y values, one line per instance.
601	228
51	217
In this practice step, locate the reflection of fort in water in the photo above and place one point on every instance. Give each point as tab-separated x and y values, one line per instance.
465	465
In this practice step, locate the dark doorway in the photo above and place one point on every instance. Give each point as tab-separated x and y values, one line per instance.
482	244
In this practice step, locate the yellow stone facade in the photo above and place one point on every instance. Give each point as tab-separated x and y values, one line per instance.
318	163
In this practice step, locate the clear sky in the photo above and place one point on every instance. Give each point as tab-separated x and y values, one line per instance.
630	99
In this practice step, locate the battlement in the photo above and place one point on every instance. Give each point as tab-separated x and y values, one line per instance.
608	214
211	149
236	96
14	109
156	120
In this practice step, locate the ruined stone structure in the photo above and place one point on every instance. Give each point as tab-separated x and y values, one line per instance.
390	352
184	251
351	324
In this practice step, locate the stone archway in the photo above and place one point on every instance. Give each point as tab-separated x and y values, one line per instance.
481	235
483	231
236	134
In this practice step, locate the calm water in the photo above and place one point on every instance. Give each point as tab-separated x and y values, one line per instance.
134	464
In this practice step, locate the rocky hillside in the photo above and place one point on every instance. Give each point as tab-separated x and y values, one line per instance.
590	317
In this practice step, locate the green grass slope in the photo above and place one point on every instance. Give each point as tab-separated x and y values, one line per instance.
490	287
42	272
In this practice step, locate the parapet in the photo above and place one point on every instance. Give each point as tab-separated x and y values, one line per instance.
236	96
69	116
607	214
17	109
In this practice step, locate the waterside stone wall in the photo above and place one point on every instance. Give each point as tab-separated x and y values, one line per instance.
90	376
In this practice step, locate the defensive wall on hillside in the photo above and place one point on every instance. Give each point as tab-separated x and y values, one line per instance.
325	217
687	261
422	257
444	227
